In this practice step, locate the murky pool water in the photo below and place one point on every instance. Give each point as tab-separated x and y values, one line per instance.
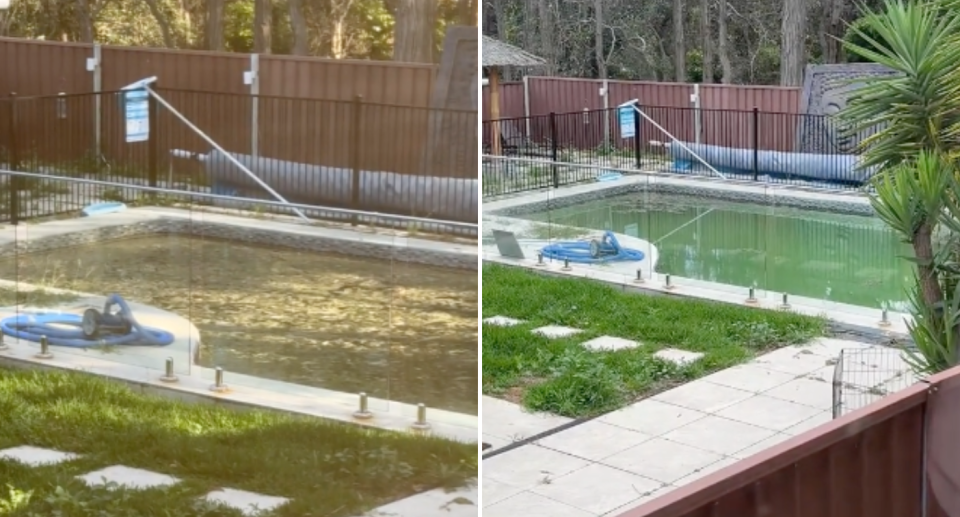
401	331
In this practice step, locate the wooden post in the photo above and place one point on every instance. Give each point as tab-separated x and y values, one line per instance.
495	111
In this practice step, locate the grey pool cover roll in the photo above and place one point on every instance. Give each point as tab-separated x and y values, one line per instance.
452	199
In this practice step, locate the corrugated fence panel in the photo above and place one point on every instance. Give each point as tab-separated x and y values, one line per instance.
511	101
34	68
563	95
401	84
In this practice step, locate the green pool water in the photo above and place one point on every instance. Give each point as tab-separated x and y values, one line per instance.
842	258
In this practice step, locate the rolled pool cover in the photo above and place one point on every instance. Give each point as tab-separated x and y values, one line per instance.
837	168
452	199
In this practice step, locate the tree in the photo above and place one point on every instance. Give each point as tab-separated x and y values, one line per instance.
414	31
263	26
793	47
913	118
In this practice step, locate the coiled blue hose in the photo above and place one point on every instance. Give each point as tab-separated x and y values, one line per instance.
606	250
65	329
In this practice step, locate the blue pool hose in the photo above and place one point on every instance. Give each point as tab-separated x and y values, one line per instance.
582	252
65	329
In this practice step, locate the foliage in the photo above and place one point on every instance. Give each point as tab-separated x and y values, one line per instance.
560	376
914	119
326	468
368	24
853	37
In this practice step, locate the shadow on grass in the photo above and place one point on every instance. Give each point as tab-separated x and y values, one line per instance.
326	469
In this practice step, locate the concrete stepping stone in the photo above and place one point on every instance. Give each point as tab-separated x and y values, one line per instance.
677	356
502	321
36	456
248	503
128	477
556	331
610	343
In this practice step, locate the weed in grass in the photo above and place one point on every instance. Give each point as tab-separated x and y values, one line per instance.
563	377
326	469
34	297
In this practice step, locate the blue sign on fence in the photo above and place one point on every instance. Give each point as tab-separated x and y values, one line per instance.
627	118
136	112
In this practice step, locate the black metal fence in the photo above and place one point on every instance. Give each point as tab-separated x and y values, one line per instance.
564	148
395	160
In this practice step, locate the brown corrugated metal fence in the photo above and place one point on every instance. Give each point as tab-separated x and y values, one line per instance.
869	463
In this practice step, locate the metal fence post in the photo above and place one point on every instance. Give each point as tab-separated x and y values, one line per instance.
153	141
355	153
554	150
838	387
12	148
637	141
756	143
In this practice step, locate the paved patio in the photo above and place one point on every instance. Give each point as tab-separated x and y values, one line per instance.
615	462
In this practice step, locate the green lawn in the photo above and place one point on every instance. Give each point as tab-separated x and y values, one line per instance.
562	377
327	469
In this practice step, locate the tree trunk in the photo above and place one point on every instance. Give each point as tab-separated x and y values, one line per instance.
163	23
414	31
833	29
301	43
548	45
598	39
706	41
86	21
214	29
793	48
468	13
723	45
679	48
262	26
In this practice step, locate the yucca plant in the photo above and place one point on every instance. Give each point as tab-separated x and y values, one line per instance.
913	119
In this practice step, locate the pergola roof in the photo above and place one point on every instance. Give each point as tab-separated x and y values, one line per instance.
496	53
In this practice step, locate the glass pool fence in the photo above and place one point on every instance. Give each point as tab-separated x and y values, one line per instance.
244	297
732	240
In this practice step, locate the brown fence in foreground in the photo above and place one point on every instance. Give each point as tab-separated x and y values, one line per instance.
565	95
895	458
65	70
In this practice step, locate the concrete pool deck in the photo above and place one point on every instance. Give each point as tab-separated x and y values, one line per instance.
503	212
607	465
143	371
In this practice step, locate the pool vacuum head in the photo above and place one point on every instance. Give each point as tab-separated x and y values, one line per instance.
96	323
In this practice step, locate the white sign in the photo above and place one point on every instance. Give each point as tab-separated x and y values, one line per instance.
627	121
136	112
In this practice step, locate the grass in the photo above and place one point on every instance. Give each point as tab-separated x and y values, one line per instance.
564	378
327	469
35	297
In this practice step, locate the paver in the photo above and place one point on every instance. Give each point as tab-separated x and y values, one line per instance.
610	343
434	503
530	465
810	423
248	503
750	377
662	460
505	422
805	391
502	321
768	412
795	360
677	356
36	456
719	435
594	440
529	504
703	396
597	488
651	417
128	477
556	331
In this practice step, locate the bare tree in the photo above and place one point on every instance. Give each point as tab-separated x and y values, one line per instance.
414	31
679	47
262	26
598	39
706	40
723	44
214	28
165	31
301	42
832	28
793	49
548	44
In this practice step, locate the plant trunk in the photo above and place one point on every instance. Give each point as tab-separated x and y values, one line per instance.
923	251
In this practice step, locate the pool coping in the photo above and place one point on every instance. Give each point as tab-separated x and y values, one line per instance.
858	319
245	391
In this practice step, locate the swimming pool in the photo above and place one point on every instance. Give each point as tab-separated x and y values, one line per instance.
844	258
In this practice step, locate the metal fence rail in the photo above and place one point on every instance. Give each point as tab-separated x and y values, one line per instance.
86	136
596	138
